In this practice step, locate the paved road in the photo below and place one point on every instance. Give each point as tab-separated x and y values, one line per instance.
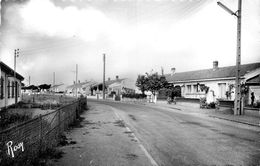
161	136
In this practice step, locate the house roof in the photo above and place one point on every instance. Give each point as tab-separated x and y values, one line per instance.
57	85
82	84
77	85
254	80
10	71
220	72
114	81
109	82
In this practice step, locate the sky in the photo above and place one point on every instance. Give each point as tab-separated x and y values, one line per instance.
137	36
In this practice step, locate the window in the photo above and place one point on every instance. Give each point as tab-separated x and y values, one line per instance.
222	90
189	88
18	90
2	88
195	88
12	89
8	89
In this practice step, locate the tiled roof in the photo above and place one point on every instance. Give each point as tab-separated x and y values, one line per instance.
77	85
110	82
221	72
113	81
57	85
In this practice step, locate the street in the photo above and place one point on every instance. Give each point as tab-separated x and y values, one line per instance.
115	133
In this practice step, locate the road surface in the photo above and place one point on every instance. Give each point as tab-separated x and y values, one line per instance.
115	133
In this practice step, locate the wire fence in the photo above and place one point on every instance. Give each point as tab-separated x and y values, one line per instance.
28	139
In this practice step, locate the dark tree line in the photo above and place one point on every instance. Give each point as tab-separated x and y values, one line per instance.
40	87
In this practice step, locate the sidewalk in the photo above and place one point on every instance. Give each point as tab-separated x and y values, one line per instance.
102	138
225	114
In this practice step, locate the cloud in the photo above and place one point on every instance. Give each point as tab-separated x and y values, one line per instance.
43	17
187	43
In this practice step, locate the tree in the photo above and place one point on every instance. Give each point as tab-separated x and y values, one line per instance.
44	86
32	87
155	82
151	82
141	83
173	91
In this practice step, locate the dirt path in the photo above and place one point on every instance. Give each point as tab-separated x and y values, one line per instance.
103	139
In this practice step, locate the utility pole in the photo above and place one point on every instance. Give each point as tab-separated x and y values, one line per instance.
29	80
238	14
76	80
104	74
16	54
238	62
53	84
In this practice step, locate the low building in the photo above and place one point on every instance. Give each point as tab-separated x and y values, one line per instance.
116	86
217	82
10	86
58	88
82	88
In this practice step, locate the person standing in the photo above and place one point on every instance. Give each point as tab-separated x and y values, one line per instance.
252	98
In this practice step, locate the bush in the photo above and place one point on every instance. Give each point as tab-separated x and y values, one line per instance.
257	105
7	119
133	95
212	105
203	100
117	98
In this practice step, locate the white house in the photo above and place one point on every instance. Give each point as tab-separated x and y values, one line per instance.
119	86
219	80
58	88
83	88
10	86
116	86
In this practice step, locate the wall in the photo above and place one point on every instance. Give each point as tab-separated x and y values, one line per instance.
214	89
9	101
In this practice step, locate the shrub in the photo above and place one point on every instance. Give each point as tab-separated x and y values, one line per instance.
212	105
203	100
133	95
257	105
7	119
117	98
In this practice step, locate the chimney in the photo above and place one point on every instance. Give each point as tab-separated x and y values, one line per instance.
173	70
79	81
108	79
117	77
215	65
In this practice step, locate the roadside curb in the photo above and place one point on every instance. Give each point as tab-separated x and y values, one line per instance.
237	121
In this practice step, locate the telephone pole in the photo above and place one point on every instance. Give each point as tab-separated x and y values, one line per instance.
16	55
104	74
76	80
53	84
238	62
238	14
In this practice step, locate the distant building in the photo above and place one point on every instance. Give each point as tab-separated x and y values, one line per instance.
83	88
10	87
58	88
219	80
116	86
